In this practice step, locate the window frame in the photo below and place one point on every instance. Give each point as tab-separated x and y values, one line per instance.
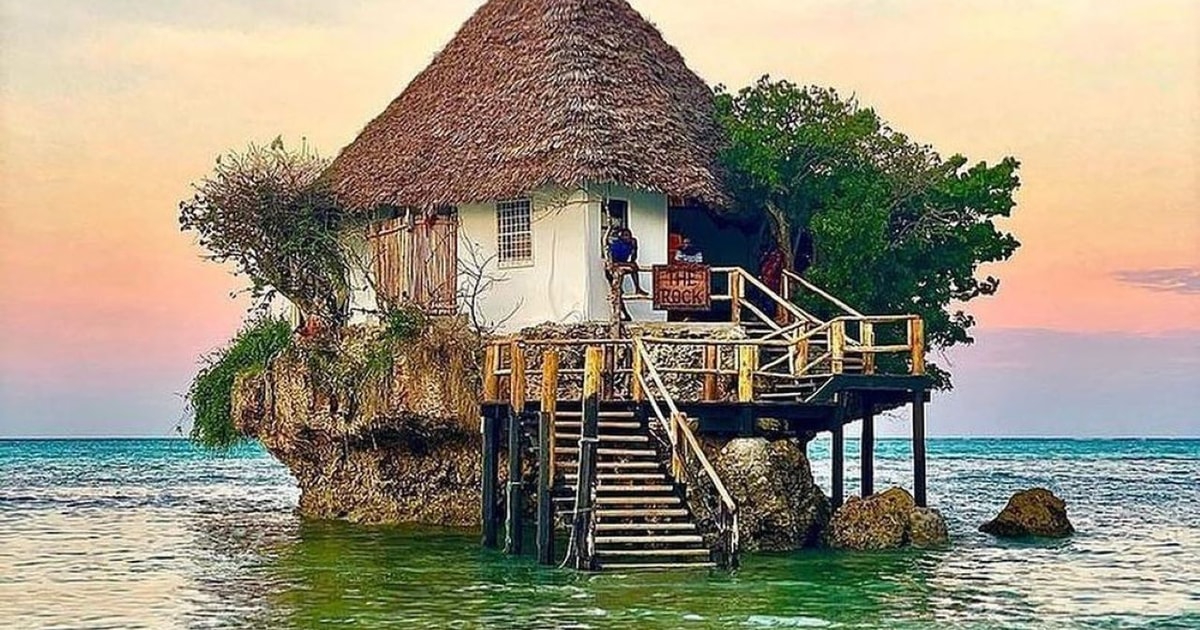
508	261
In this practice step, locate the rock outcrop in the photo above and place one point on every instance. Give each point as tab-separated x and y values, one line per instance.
1034	512
401	447
887	520
780	508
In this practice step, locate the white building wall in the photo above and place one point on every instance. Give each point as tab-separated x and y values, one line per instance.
554	287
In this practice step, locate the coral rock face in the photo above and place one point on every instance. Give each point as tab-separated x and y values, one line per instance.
1035	512
887	520
780	508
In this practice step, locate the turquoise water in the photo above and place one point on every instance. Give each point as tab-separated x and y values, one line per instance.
156	534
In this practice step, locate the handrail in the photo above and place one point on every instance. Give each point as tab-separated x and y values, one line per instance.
727	519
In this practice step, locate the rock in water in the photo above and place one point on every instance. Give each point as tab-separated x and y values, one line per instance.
780	508
887	520
1035	512
927	528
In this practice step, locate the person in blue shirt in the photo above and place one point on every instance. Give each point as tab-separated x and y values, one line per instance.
622	261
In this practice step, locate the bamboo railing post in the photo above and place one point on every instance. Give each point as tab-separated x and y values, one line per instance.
676	448
711	365
747	364
736	288
609	373
516	386
837	346
801	362
550	399
635	382
916	341
491	381
867	339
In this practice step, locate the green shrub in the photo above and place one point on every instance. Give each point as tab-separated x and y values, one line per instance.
404	322
211	394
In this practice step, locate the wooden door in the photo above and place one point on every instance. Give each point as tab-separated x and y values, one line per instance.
416	261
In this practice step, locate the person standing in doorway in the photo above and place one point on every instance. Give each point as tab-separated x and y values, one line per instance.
689	253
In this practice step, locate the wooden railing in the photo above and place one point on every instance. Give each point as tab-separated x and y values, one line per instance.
685	449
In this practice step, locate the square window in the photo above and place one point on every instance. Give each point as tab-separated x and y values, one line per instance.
514	224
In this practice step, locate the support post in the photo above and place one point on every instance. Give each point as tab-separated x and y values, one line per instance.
545	494
711	364
609	372
550	402
801	360
513	533
838	466
581	529
747	365
867	446
916	341
918	426
491	461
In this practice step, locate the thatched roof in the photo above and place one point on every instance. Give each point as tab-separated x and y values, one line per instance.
540	92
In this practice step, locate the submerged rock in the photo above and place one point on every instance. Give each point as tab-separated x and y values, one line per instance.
780	507
887	520
1034	512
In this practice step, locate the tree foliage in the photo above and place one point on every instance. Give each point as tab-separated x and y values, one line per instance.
265	211
894	226
211	394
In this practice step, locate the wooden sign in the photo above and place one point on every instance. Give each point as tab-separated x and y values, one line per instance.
682	287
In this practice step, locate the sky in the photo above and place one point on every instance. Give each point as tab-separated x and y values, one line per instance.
108	110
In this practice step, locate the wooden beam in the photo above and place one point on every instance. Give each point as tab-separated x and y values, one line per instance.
867	447
581	530
490	481
736	289
747	364
513	535
918	427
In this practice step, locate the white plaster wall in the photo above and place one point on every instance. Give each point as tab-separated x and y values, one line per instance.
554	288
648	220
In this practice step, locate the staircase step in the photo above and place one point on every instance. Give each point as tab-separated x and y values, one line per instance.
619	487
613	477
653	552
567	424
614	465
666	539
639	500
603	512
603	414
656	566
604	437
615	452
646	526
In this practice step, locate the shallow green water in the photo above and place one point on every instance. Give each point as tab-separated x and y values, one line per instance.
121	534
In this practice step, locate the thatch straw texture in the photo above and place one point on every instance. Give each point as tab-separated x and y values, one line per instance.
532	93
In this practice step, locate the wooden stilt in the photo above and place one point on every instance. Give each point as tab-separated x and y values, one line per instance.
918	427
711	363
838	465
513	533
868	446
545	492
491	457
581	530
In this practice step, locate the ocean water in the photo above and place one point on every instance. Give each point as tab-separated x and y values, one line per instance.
157	534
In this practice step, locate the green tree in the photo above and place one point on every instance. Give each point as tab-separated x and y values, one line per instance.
894	226
266	211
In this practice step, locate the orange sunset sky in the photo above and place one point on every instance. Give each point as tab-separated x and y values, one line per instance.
109	109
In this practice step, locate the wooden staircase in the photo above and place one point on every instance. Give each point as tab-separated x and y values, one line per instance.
642	521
